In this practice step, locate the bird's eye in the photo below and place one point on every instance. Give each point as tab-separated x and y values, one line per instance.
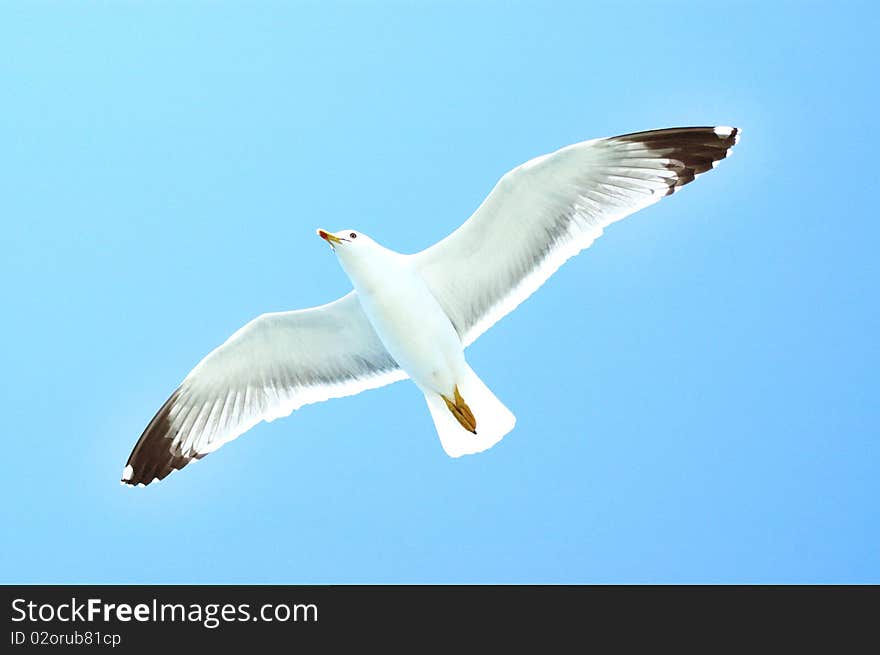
353	235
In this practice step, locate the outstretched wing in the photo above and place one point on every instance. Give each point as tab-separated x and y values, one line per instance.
549	209
270	367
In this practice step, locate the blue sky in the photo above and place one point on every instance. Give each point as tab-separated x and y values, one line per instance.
696	394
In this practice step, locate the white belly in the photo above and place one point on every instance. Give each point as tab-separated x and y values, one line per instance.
414	328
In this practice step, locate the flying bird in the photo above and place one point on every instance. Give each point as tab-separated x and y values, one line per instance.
412	316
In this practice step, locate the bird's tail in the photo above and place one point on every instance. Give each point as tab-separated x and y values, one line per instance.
493	420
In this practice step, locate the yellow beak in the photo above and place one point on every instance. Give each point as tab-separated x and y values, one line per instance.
329	237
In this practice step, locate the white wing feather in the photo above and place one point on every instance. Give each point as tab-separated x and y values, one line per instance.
547	210
273	365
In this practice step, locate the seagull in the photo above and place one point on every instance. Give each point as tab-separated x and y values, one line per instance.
412	315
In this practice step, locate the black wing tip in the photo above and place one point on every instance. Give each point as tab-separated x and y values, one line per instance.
153	457
691	150
707	133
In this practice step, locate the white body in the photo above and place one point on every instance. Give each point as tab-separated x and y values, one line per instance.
423	341
409	321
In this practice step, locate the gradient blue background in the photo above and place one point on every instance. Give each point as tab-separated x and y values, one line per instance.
696	394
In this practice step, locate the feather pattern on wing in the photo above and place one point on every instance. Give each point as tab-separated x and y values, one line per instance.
273	365
547	210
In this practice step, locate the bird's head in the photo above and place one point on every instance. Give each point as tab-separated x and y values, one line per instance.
348	241
352	247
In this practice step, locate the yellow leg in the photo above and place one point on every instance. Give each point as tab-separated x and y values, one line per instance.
462	412
463	406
